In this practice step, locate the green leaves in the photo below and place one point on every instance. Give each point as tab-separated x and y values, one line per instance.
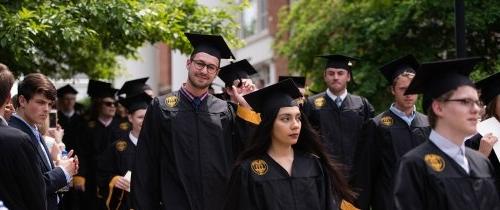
380	31
62	38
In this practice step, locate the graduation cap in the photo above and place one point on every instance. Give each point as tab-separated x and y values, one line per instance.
236	71
396	67
67	89
436	78
133	103
281	94
100	89
210	44
489	87
339	61
299	80
133	87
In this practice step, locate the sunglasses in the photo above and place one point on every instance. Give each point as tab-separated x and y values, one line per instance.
109	103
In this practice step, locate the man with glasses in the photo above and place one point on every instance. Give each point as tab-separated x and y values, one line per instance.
442	173
189	139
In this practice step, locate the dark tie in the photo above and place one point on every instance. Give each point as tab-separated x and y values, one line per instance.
196	102
338	101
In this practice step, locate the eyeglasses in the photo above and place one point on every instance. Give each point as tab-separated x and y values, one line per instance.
109	103
199	65
467	102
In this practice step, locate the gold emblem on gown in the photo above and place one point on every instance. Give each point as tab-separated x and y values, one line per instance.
259	167
434	161
171	101
387	121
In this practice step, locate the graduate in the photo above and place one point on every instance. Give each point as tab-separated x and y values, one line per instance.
73	124
299	81
337	114
490	95
102	129
119	158
442	173
387	137
285	166
237	74
189	139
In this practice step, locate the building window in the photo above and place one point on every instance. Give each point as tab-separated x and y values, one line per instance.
254	18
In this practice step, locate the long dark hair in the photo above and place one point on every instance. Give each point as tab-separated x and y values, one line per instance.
309	142
491	109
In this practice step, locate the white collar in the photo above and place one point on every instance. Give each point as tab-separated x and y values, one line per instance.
133	138
333	96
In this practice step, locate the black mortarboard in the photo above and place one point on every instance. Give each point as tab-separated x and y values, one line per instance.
281	94
339	61
133	103
133	87
67	89
436	78
394	68
211	44
238	70
99	89
490	87
299	81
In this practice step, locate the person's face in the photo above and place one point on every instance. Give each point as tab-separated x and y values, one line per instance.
336	79
460	112
286	127
401	100
202	70
67	102
36	110
136	119
108	107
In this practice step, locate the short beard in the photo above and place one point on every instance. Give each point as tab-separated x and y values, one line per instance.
193	83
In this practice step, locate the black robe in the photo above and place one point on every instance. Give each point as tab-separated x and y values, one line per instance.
96	139
21	182
429	179
184	156
74	127
340	128
386	138
116	161
262	184
474	144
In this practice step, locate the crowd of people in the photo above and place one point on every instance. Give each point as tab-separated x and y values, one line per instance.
247	148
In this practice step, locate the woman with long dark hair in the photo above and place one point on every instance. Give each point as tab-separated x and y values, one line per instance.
285	166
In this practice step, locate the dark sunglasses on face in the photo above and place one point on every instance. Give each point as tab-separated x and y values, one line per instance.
109	103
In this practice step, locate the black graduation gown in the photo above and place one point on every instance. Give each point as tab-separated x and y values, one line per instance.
118	158
184	156
21	183
74	127
262	184
340	128
474	144
386	139
429	179
97	138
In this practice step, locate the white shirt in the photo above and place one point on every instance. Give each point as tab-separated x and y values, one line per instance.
132	138
333	96
456	152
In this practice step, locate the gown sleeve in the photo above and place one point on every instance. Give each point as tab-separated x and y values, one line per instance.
240	193
145	183
409	186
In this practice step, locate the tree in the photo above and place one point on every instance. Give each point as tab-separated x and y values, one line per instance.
61	38
379	31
